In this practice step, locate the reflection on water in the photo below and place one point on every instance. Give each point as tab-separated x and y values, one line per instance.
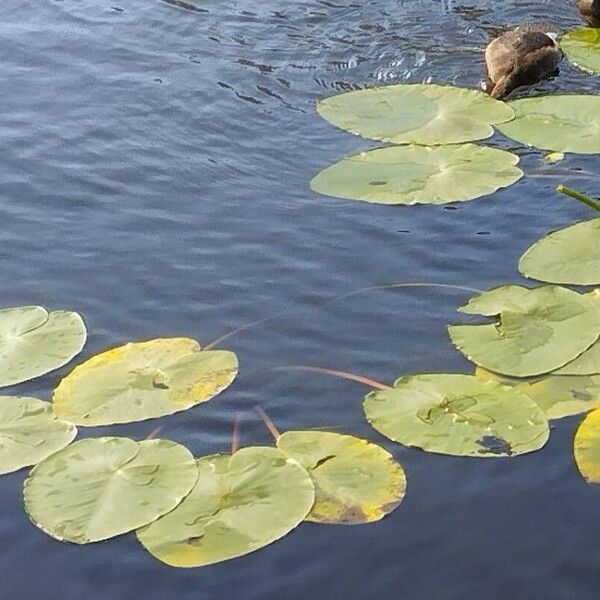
155	168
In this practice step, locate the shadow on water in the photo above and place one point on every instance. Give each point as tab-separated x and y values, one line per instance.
155	165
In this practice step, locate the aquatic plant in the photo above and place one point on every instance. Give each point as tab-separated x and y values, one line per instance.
34	342
426	114
582	47
419	174
29	432
241	502
98	488
563	123
143	380
537	330
460	415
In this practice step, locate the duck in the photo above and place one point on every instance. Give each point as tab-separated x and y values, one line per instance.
522	56
590	11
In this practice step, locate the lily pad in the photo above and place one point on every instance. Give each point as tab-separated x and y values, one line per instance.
538	330
587	447
101	487
460	415
29	432
355	481
570	255
587	363
143	380
416	113
241	503
582	48
569	123
419	174
34	342
557	395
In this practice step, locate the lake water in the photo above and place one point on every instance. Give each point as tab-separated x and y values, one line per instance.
154	176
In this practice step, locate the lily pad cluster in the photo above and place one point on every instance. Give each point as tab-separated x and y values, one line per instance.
537	357
193	512
186	511
432	160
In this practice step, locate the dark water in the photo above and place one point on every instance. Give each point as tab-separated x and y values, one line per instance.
154	170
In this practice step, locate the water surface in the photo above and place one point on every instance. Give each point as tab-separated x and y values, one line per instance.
154	176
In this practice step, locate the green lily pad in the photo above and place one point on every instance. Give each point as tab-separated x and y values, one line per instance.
538	330
419	174
557	395
34	342
586	447
416	113
570	255
582	48
241	503
587	363
143	380
98	488
29	432
460	415
355	481
568	123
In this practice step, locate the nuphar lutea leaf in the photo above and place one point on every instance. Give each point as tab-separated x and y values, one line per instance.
29	432
143	380
98	488
355	481
425	114
587	447
582	48
240	504
570	255
561	123
34	342
460	415
419	174
557	395
538	330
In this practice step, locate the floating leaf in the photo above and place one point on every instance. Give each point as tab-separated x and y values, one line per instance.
240	504
29	432
554	157
539	330
560	123
587	363
34	342
460	415
557	395
416	113
143	380
568	255
587	447
98	488
355	481
582	48
419	174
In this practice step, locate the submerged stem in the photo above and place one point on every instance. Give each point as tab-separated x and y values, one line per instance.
154	433
268	423
341	374
385	286
235	433
567	191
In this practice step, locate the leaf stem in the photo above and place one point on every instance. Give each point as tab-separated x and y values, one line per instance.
268	423
341	374
154	433
567	191
235	433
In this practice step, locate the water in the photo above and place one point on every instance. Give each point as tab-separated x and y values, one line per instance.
154	173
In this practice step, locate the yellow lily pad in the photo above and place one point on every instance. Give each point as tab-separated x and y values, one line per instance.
355	481
143	380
